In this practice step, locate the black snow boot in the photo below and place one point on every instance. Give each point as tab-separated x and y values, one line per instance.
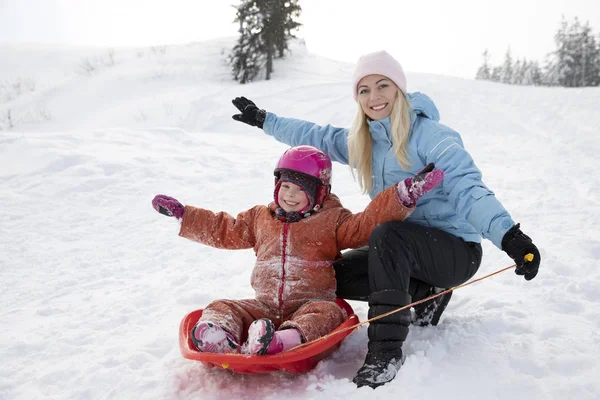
430	311
386	336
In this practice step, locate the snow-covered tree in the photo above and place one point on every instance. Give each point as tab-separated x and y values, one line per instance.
590	55
496	71
518	72
574	63
266	26
286	14
532	74
247	57
506	71
484	72
597	61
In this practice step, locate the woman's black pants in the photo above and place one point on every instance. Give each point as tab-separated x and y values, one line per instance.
402	256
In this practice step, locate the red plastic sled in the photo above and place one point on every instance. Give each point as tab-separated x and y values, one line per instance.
296	361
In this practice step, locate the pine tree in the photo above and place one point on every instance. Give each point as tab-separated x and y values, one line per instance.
265	29
496	73
590	54
597	61
287	13
484	71
535	73
506	71
279	23
518	72
574	58
562	67
574	63
551	76
532	74
247	57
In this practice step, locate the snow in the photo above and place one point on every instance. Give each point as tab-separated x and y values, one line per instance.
95	282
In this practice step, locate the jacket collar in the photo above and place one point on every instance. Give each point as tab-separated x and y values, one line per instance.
380	129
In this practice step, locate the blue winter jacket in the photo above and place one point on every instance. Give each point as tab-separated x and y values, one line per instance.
462	205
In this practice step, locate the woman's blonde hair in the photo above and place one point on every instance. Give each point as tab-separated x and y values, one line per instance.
360	143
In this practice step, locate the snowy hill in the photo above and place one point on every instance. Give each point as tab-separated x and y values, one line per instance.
95	282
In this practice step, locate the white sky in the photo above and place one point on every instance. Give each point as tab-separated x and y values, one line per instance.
436	36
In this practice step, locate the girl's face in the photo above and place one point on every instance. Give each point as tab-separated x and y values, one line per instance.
376	96
291	197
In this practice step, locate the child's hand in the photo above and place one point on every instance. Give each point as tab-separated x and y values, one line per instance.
412	189
168	206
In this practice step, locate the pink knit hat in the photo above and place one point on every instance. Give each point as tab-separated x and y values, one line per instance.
380	63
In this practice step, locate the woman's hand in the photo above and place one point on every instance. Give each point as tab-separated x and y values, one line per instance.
520	248
249	113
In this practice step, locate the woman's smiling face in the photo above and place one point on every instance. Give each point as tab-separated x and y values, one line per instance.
376	96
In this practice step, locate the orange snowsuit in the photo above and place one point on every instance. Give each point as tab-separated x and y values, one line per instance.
293	277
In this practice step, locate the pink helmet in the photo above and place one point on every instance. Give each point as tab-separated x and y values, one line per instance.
309	161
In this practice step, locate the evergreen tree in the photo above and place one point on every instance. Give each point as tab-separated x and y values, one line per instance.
279	23
590	56
532	74
506	71
247	56
484	71
550	77
518	72
597	61
561	69
574	63
265	29
496	73
287	13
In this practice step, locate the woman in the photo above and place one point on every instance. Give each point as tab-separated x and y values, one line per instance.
393	136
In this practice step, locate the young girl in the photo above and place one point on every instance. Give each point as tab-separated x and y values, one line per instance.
296	240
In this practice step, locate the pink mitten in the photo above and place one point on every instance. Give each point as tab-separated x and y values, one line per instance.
168	206
412	189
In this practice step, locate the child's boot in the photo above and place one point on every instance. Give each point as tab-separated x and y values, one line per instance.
284	340
211	338
262	338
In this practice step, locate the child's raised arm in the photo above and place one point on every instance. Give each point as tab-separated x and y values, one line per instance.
395	203
220	230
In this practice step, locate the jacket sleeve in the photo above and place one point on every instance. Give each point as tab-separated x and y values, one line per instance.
219	230
354	230
294	132
463	185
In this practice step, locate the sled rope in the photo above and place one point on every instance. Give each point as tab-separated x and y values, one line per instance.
528	257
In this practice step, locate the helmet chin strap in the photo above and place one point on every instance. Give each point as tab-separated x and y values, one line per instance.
294	216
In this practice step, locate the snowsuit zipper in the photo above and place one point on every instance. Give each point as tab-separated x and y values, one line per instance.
284	244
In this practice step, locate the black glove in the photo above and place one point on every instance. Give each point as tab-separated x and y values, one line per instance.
249	113
518	245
